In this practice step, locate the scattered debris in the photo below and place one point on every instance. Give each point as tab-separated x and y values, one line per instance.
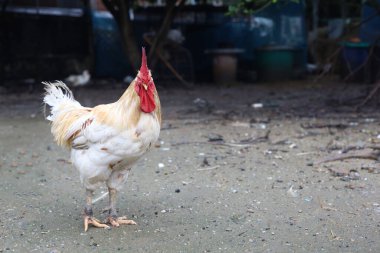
257	105
62	160
371	169
365	154
205	162
334	237
339	172
353	175
324	125
209	168
202	105
264	120
243	143
324	206
214	137
292	193
168	127
308	199
306	153
240	124
250	141
354	186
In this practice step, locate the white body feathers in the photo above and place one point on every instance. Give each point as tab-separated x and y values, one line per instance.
101	152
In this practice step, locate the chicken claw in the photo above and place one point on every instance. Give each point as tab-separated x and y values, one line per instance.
117	221
93	221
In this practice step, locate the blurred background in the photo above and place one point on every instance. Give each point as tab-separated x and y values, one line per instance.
189	41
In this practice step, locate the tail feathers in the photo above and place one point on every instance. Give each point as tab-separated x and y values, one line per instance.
57	94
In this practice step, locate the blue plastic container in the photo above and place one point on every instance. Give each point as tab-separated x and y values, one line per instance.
110	59
354	55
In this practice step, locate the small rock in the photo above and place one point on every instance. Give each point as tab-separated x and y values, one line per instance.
177	190
205	162
353	175
161	165
200	102
371	169
257	105
308	199
214	137
339	172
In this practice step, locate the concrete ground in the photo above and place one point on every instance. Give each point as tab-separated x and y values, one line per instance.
234	171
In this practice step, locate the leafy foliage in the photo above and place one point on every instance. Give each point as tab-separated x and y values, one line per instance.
249	7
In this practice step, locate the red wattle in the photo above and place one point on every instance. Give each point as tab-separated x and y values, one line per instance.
147	102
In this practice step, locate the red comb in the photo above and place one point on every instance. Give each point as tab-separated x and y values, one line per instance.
144	71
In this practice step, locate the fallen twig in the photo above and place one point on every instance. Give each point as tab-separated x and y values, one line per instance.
370	95
324	206
334	236
241	144
373	155
306	153
209	168
324	125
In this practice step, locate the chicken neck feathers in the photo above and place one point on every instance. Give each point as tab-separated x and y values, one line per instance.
70	119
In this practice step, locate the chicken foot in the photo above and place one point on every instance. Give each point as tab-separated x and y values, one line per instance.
88	214
113	219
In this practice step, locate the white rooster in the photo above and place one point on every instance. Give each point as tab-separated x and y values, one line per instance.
105	141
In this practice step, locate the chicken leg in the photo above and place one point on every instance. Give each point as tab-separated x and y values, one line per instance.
113	219
88	214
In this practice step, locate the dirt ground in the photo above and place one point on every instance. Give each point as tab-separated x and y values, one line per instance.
234	171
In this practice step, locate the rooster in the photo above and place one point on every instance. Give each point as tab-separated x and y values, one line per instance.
105	141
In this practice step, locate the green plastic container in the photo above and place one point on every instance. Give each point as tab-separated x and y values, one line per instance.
275	63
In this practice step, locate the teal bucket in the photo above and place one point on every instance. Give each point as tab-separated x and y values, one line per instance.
275	63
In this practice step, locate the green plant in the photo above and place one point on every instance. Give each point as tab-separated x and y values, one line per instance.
249	7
